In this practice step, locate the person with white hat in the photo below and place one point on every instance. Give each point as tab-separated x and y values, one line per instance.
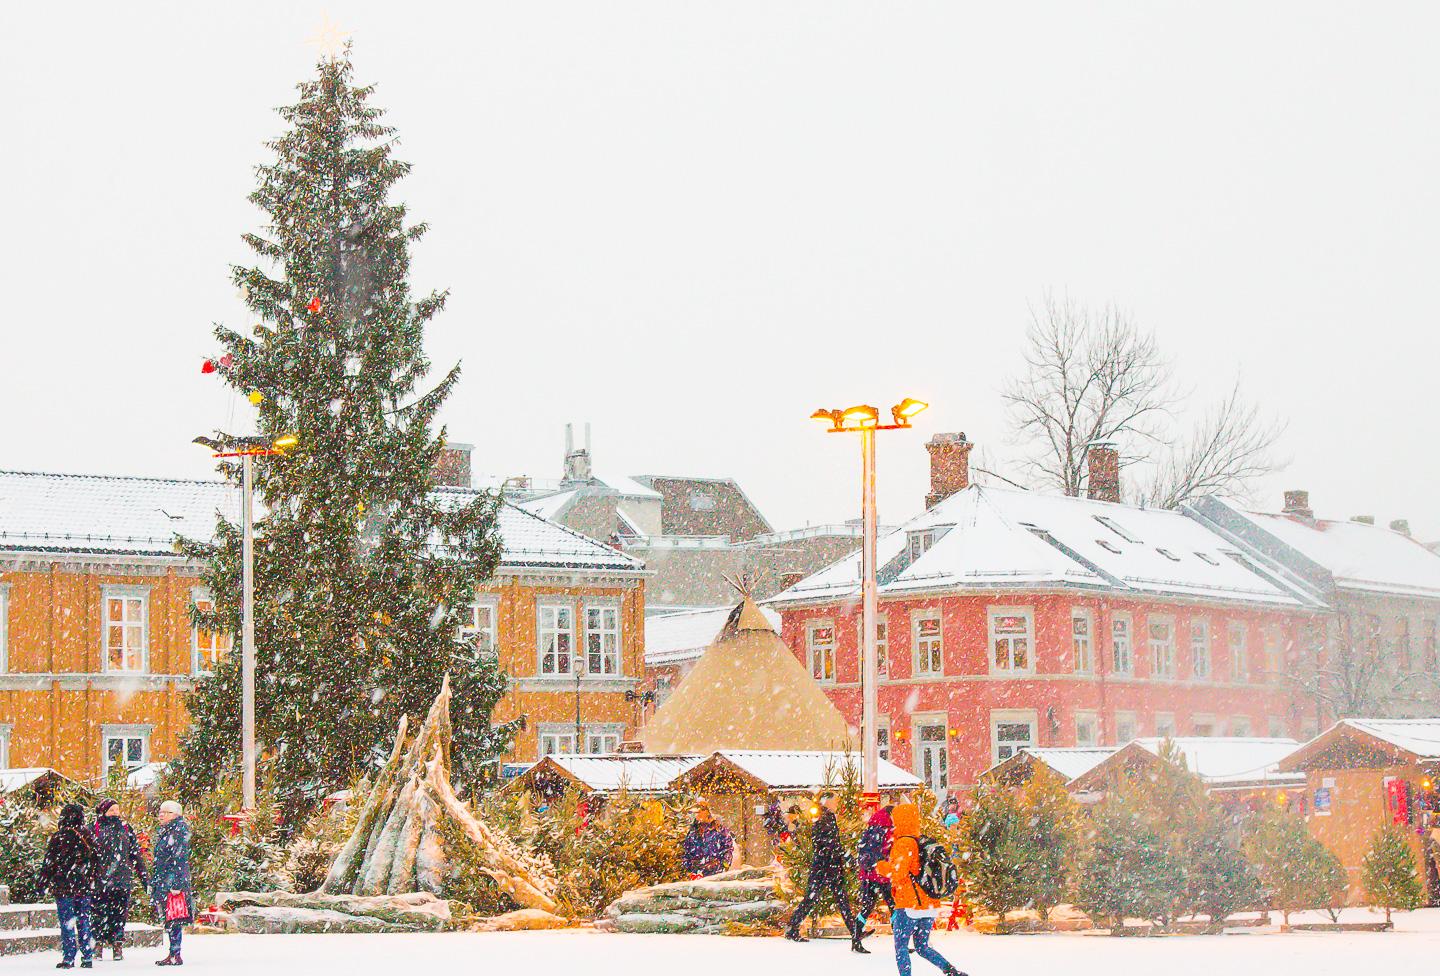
170	886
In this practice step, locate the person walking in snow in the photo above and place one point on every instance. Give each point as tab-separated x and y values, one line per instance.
708	846
119	864
171	874
827	873
68	871
874	846
915	909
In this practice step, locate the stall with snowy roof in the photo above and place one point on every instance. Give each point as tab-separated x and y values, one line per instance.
602	775
1066	763
1361	774
1241	772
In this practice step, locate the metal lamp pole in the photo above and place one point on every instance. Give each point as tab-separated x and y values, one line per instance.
865	421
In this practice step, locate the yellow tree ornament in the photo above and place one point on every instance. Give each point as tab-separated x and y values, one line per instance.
256	398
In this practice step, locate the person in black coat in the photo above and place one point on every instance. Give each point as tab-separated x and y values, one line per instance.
69	873
827	873
119	865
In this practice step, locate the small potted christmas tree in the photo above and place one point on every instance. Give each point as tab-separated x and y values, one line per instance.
1389	873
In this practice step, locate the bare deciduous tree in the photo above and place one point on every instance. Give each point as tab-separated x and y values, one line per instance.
1095	376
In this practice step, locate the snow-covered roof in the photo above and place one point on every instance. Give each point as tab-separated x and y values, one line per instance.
808	770
1359	556
990	538
1219	761
627	486
146	776
674	638
1069	763
635	772
1401	739
109	514
17	779
105	514
548	506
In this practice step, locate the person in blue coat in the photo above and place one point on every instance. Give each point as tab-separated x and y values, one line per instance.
170	871
708	847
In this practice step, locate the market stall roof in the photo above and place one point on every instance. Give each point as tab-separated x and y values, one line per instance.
1222	763
1066	763
747	691
37	777
677	638
778	770
1369	743
633	772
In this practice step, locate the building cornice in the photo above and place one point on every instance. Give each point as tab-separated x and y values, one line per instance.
44	681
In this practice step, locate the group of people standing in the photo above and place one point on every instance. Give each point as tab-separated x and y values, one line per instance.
91	869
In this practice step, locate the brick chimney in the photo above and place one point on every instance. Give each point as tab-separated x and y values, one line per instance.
949	466
1298	503
1400	525
1102	472
452	467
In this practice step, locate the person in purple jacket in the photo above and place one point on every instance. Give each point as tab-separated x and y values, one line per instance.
708	847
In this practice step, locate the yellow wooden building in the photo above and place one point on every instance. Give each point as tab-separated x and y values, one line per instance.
97	652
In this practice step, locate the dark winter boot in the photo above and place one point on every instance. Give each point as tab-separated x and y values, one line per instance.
64	964
87	964
952	971
170	960
795	936
857	946
118	953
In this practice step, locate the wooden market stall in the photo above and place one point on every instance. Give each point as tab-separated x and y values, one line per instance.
1240	772
1362	774
1066	763
633	772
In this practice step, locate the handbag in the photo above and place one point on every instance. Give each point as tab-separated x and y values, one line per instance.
177	908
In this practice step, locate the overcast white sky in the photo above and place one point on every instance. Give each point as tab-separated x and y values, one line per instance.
692	223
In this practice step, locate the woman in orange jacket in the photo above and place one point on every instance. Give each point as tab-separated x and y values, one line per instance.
915	911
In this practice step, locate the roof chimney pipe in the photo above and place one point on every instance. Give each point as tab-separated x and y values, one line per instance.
1102	471
949	466
1400	525
1297	503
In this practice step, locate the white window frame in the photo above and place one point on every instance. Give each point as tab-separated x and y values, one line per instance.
124	593
1206	720
5	729
927	650
825	673
1167	720
1090	720
1241	726
919	542
1272	645
1123	719
612	638
1162	653
919	745
123	733
1237	643
598	737
4	629
1012	716
476	629
883	737
1200	649
882	644
993	614
1116	619
549	739
1083	646
564	662
221	642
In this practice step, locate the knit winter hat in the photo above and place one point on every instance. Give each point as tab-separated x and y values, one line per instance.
103	806
72	815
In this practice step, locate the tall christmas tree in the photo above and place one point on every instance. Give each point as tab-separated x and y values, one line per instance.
362	576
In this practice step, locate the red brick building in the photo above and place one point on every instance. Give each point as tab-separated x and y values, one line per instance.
1013	618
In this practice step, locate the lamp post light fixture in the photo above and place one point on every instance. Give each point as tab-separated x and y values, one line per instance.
864	420
246	448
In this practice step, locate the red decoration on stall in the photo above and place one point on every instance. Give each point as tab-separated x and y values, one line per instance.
227	360
1397	800
208	366
314	305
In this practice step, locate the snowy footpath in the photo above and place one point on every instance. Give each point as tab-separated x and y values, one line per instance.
1413	947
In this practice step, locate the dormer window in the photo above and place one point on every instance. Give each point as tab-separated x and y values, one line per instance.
1114	526
920	541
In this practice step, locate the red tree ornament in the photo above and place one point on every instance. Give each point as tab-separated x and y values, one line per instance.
227	360
314	307
208	366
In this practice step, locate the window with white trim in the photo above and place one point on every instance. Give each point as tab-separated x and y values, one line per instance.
207	646
1200	647
929	642
126	610
1164	725
919	541
1202	726
1087	729
882	644
602	639
1126	727
1239	655
4	628
1240	725
1012	639
1162	646
1010	731
601	743
555	634
882	736
1121	646
1270	639
1082	630
557	742
479	629
4	747
820	646
125	746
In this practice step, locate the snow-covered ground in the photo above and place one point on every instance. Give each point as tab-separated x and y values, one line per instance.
1413	947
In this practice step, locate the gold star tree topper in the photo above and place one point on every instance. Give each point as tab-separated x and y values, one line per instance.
329	39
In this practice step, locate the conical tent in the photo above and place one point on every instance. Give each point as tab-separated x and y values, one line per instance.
747	691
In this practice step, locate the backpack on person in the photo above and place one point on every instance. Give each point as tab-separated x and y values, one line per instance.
938	877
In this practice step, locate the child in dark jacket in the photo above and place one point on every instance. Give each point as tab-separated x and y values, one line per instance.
69	873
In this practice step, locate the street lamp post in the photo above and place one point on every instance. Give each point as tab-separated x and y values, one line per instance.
246	448
865	421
